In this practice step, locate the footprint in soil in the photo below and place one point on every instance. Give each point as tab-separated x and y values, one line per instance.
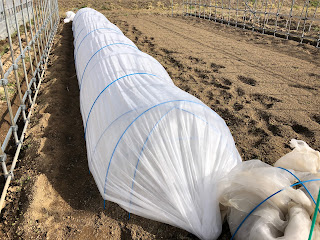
257	132
275	130
226	81
149	42
227	116
316	118
216	67
167	51
264	116
302	86
216	82
171	59
240	92
265	100
247	80
226	96
203	76
237	106
175	62
200	71
196	60
210	95
300	129
135	30
317	76
185	88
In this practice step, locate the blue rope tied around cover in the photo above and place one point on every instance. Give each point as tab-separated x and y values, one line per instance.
102	28
128	75
171	101
301	184
112	44
148	137
295	184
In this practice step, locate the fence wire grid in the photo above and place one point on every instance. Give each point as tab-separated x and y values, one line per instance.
27	29
289	19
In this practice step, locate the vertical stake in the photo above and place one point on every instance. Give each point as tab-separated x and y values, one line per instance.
172	8
314	216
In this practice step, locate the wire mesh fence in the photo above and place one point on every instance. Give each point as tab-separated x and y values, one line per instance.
289	19
21	11
30	26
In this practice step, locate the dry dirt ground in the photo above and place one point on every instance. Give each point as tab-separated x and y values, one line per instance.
266	89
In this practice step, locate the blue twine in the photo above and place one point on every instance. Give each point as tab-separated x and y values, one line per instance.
77	50
99	51
171	101
295	184
302	185
149	135
77	16
128	75
76	38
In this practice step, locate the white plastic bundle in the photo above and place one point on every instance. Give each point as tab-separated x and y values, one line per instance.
301	158
152	148
248	184
285	215
69	16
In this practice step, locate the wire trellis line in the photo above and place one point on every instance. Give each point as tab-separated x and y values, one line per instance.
22	70
289	19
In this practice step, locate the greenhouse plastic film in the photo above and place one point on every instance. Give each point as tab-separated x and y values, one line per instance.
263	202
152	148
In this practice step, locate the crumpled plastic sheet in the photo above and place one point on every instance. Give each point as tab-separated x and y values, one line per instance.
287	215
69	16
152	148
302	158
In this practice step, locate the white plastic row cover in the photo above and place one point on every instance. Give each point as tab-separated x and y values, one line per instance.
152	148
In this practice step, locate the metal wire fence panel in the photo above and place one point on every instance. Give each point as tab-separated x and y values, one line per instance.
29	27
289	19
21	12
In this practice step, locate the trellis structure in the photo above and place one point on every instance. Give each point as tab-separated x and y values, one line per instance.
289	19
20	7
22	70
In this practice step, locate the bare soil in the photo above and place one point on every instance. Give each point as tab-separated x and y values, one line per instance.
265	88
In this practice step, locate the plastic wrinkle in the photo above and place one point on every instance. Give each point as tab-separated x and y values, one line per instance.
89	34
302	184
133	122
295	184
149	135
85	129
302	158
99	51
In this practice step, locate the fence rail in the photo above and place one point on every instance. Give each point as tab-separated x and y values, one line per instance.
289	19
23	61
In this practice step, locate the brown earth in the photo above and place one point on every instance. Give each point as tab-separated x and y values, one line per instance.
265	88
